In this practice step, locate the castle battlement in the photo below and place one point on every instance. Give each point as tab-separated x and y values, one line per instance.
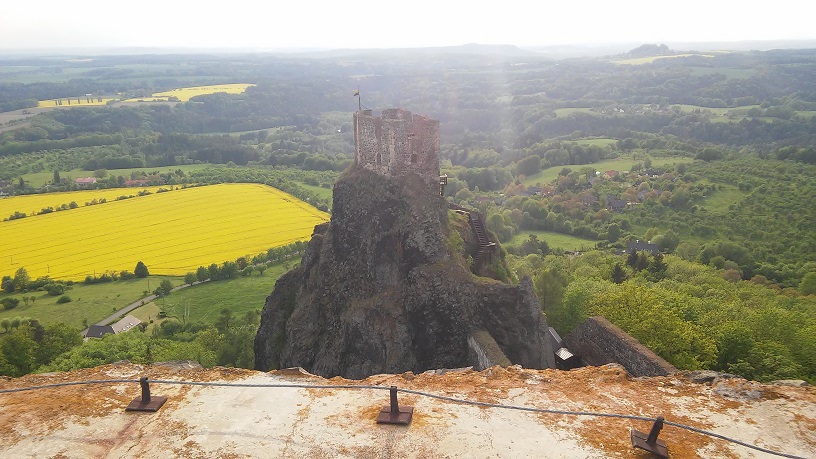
397	143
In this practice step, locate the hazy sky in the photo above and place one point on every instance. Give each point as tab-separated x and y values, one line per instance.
385	24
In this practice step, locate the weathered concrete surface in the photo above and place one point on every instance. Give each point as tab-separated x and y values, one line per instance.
90	421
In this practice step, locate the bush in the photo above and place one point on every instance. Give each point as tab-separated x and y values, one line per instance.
54	289
126	275
9	303
64	299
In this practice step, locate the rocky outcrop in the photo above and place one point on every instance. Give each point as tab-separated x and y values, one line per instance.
379	291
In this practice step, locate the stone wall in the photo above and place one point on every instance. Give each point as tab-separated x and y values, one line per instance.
598	341
485	352
397	143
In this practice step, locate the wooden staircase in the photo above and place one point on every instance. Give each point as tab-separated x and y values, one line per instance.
485	245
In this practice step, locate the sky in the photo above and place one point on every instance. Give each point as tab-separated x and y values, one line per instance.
299	24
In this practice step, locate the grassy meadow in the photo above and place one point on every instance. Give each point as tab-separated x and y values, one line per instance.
172	233
90	302
619	164
38	179
554	240
204	302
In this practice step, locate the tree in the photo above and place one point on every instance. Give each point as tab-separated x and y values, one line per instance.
529	165
21	279
141	270
189	278
5	323
7	284
19	349
657	268
201	274
224	321
618	274
165	287
57	179
632	259
213	272
228	270
613	233
242	262
808	284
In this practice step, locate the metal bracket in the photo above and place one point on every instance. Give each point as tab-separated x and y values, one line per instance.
146	402
395	414
650	442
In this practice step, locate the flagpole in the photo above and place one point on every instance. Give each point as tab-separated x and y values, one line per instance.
359	100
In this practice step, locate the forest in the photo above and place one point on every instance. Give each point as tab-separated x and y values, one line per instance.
712	158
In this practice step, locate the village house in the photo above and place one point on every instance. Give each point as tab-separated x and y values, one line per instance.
126	323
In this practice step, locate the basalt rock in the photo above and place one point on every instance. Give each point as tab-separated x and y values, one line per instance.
379	290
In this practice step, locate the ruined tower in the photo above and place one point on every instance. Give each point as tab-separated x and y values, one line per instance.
397	143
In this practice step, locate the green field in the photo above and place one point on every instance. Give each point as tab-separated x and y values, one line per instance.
39	179
619	164
318	190
599	142
205	301
91	302
720	200
564	112
554	240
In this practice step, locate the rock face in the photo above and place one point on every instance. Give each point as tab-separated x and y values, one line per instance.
379	291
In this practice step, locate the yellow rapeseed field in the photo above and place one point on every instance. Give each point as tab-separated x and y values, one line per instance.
31	204
147	99
68	102
184	94
172	233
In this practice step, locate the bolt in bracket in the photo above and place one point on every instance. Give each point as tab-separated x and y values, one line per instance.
145	402
395	414
650	442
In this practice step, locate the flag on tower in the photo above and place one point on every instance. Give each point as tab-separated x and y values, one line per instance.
356	92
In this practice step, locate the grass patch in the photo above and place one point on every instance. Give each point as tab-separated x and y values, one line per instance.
91	302
618	164
39	179
567	111
599	142
318	190
720	200
554	240
146	313
205	301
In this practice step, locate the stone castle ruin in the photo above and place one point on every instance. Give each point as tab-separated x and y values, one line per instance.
397	143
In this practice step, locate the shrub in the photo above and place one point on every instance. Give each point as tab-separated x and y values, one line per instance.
64	299
9	303
54	289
